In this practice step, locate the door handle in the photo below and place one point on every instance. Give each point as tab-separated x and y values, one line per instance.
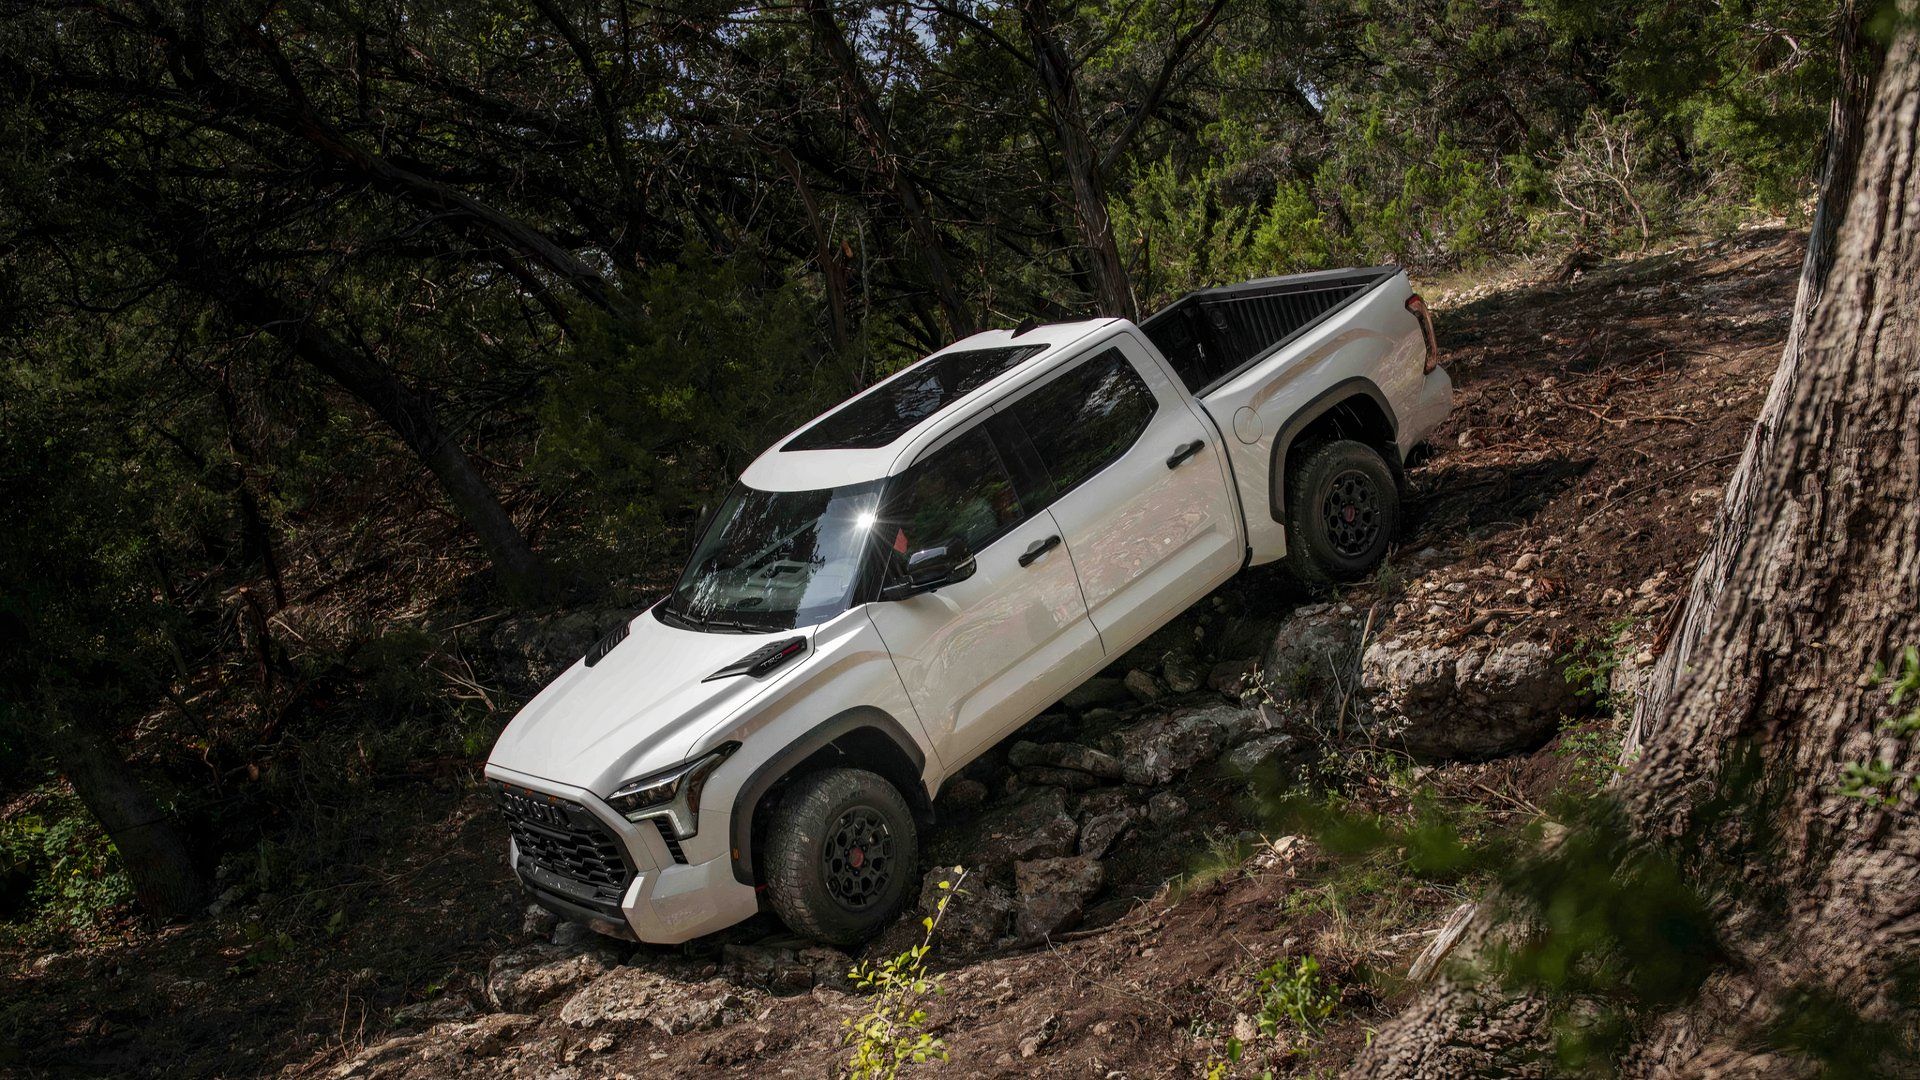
1039	548
1185	452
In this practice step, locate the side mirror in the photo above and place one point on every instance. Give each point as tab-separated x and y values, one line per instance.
930	568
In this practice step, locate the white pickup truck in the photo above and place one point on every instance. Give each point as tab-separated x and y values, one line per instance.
907	580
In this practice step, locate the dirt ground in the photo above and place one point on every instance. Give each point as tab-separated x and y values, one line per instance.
1566	501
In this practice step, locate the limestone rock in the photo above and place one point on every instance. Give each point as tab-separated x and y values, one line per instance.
1059	755
1247	758
1309	647
1053	894
1165	808
1475	700
1100	832
636	995
1144	687
521	979
1158	749
1033	826
978	913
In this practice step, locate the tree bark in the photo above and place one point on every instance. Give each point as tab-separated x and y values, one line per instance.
1112	290
1859	59
1814	580
167	882
871	127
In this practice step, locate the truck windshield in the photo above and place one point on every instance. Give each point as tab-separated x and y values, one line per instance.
775	560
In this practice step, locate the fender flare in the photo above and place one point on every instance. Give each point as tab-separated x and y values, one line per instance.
776	768
1323	403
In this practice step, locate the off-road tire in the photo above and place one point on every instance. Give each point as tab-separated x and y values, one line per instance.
810	827
1326	542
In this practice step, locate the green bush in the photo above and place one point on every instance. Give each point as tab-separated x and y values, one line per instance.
58	871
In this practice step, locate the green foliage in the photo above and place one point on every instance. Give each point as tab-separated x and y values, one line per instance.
645	415
1615	930
1294	998
1875	782
58	871
1905	684
890	1035
1594	753
1590	662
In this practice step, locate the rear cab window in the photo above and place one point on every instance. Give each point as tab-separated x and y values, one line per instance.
1085	419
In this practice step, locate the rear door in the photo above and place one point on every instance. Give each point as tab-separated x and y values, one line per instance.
1138	485
983	655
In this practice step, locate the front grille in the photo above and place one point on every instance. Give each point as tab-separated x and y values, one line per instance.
564	849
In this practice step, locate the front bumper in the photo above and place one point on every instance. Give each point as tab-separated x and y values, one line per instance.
664	902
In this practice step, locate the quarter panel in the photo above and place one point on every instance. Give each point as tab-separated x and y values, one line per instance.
1374	338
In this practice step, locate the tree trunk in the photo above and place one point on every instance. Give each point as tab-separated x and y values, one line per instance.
166	880
1846	124
832	273
522	574
871	127
1112	291
1814	580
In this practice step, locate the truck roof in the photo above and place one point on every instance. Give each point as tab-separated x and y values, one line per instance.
874	433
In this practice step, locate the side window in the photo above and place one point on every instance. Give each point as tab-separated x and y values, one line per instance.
963	490
1084	420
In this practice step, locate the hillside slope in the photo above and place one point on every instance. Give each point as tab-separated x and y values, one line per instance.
1557	516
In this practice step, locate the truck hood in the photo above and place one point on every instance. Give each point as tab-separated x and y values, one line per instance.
637	711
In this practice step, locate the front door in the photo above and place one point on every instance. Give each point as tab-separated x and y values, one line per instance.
983	655
1138	486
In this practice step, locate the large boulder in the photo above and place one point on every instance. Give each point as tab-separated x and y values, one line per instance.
979	911
1052	894
1061	755
635	995
1156	750
1034	826
520	980
1310	648
1259	753
1473	700
1099	832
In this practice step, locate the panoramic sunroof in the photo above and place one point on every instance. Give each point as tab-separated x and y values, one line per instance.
891	409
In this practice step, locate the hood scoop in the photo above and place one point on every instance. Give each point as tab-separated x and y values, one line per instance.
605	645
763	659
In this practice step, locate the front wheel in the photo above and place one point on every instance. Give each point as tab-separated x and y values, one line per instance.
842	849
1343	505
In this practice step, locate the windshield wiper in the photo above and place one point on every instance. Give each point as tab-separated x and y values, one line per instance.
675	618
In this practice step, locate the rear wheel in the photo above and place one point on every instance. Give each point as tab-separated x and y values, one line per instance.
1343	505
842	849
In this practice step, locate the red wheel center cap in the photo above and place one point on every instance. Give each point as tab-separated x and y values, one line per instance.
1350	513
858	858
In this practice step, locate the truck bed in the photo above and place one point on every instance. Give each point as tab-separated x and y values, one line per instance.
1211	335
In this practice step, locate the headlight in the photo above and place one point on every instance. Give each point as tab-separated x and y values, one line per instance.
672	796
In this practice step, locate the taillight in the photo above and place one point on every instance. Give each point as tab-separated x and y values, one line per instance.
1419	308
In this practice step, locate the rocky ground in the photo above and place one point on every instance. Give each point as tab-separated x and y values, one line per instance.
1134	860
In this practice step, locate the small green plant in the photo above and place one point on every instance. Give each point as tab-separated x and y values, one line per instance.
1874	782
888	1037
1595	756
1904	684
1294	998
1590	662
